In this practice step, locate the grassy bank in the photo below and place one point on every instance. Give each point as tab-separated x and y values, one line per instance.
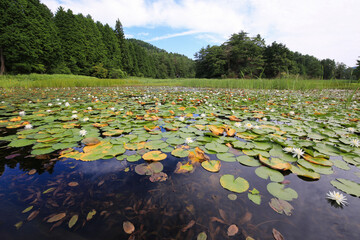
59	80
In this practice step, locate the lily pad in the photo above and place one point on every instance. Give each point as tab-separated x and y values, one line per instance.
348	186
216	147
154	156
268	173
237	185
226	157
211	165
248	161
278	190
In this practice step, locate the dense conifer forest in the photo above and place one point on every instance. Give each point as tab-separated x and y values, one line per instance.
35	40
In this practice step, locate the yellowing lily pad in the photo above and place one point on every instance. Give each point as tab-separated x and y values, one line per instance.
154	156
211	165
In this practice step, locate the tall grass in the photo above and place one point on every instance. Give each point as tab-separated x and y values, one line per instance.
59	80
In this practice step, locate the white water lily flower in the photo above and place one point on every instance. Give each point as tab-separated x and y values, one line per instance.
272	110
338	197
74	116
350	130
288	149
257	127
82	132
203	115
67	104
28	126
237	124
189	140
248	126
22	113
85	119
355	142
292	113
181	119
112	109
50	104
264	119
298	152
89	108
74	111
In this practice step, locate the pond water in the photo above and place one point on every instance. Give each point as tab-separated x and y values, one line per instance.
159	210
44	195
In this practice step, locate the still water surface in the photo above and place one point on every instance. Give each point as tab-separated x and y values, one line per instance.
159	210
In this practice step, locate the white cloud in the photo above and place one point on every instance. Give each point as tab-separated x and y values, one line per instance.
172	36
324	28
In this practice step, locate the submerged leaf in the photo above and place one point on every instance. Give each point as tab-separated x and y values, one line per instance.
232	230
56	218
73	221
128	227
201	236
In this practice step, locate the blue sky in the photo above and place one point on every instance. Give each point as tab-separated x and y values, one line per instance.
323	28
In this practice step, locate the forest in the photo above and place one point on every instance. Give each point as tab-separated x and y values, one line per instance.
34	40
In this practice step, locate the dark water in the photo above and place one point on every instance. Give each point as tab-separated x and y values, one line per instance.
159	210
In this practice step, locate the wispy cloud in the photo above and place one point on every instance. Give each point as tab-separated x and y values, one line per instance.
167	36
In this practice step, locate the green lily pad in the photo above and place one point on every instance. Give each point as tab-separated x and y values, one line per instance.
237	185
248	161
21	142
304	172
268	173
180	152
347	186
254	196
226	157
216	147
316	168
278	190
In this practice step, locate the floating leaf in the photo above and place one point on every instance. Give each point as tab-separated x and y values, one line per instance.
301	171
238	185
198	156
184	168
56	218
318	160
32	171
316	168
347	186
73	221
248	161
211	165
180	152
254	196
226	157
216	147
90	141
265	173
149	169
275	163
278	190
128	227
154	156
